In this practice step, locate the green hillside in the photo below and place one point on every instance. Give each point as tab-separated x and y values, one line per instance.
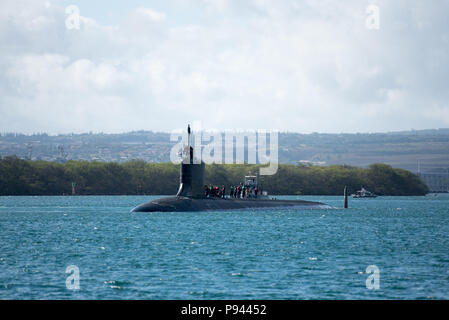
24	177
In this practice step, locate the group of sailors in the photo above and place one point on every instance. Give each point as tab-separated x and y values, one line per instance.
240	191
243	192
214	191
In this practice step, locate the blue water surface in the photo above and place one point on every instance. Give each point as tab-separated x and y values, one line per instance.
247	254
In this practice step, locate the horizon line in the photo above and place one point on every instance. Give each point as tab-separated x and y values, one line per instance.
221	131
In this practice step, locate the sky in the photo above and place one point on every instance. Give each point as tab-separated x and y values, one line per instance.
299	66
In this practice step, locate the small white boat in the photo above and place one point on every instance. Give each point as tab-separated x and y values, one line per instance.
363	193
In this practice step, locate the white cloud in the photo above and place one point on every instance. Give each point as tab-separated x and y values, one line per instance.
291	65
152	15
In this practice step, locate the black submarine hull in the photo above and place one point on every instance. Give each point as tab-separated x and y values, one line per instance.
184	204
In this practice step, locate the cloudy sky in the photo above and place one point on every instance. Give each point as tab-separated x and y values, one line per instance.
303	66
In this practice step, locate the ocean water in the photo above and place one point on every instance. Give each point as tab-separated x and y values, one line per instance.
260	254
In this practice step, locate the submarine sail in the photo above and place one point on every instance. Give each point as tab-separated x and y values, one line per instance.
191	177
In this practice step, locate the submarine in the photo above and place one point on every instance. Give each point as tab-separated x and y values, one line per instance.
191	195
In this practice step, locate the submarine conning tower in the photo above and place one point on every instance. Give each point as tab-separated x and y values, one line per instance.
191	180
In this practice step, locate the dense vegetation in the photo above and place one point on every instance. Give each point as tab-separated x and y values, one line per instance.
23	177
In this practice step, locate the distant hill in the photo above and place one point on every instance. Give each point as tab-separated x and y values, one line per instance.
428	149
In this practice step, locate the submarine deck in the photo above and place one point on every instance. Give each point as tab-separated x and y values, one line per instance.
179	204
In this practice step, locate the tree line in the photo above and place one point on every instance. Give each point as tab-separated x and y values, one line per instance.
137	177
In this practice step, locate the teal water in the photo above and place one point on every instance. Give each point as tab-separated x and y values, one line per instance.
261	254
